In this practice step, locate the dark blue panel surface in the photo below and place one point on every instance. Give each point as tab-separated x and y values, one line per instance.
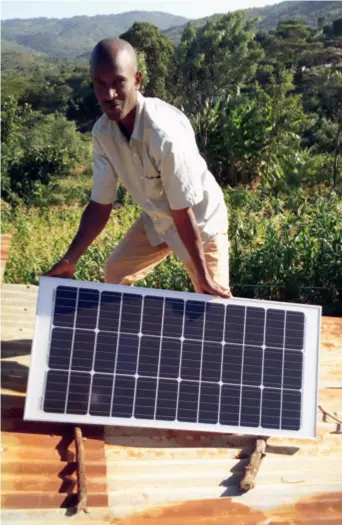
273	363
167	400
145	399
127	355
152	315
170	358
252	366
105	353
235	322
270	409
149	356
87	308
209	403
291	407
188	401
212	362
101	395
60	349
191	360
223	355
82	357
123	396
255	321
131	313
275	323
232	362
55	391
230	405
173	317
294	338
109	317
293	370
78	397
214	322
65	306
194	319
250	406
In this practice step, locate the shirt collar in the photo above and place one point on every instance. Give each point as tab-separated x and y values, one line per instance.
138	129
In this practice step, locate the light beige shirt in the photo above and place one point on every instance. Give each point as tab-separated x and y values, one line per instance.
162	169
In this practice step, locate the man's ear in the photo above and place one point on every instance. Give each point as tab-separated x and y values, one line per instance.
138	79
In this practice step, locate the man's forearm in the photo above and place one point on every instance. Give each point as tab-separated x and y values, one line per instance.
189	233
94	219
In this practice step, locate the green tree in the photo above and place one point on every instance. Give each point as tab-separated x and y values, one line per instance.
329	96
217	58
157	50
253	136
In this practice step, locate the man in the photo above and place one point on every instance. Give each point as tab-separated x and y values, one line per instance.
150	146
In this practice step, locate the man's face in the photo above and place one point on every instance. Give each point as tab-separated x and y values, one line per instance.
116	83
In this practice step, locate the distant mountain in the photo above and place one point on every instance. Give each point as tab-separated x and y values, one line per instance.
75	37
72	37
306	11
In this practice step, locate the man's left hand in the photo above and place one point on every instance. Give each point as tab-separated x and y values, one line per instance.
208	286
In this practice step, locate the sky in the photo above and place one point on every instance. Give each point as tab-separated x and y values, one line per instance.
67	9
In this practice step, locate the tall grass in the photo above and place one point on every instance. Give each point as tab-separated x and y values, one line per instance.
285	245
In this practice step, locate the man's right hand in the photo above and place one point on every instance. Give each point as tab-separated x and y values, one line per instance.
62	268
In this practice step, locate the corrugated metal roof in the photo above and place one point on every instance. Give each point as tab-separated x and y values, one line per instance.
170	477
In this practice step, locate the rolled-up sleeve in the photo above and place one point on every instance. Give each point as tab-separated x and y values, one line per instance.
104	179
181	168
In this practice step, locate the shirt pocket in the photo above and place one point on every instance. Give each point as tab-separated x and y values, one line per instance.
152	179
153	187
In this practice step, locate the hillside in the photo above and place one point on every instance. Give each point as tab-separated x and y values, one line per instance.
75	37
306	11
71	37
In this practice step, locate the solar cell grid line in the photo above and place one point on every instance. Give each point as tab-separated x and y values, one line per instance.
221	370
201	363
116	356
262	370
138	355
180	363
242	362
159	360
282	366
71	353
94	354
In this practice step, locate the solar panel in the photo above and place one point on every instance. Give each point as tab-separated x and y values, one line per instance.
118	355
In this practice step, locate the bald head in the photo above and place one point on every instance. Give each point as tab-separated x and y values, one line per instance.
110	50
116	79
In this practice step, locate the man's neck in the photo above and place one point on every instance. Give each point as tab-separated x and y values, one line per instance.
127	124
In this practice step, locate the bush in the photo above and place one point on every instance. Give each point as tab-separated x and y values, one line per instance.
37	168
36	150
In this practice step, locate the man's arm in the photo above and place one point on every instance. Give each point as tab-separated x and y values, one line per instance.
188	231
93	220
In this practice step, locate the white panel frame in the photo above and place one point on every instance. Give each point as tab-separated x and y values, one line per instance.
41	343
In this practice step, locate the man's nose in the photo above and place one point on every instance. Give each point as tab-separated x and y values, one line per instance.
110	93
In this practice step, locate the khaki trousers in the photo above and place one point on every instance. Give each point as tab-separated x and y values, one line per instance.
134	258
